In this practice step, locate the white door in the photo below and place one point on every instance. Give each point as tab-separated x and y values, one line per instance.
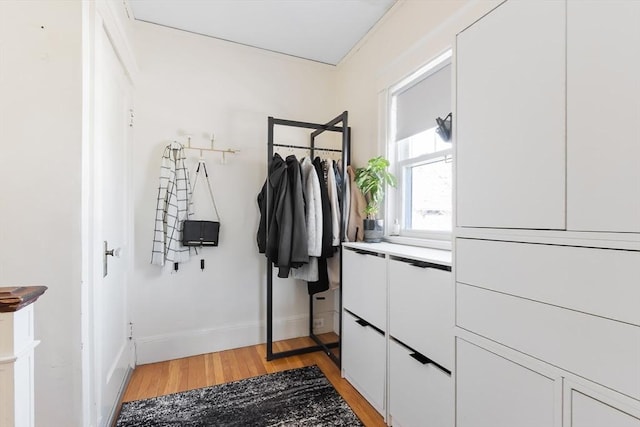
108	348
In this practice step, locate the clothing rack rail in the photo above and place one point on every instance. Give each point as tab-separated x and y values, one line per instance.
331	126
301	147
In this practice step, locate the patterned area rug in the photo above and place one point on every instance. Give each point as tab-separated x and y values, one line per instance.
298	397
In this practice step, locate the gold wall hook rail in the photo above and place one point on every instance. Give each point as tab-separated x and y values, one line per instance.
211	148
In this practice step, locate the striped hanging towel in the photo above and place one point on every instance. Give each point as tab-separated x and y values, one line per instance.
173	207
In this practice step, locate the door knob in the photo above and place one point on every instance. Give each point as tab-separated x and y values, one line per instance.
108	252
113	252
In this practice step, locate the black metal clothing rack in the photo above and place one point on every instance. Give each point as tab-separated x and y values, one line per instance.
318	129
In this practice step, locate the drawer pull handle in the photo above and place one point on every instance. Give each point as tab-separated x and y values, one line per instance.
362	322
419	264
426	361
375	254
421	358
424	264
363	252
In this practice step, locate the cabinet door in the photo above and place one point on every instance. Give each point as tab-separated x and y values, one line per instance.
510	118
419	394
605	351
364	286
589	412
421	309
603	116
364	359
492	391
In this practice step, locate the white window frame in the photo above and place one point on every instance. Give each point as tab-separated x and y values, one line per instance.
396	205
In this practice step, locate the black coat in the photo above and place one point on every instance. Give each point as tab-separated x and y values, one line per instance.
299	247
327	223
282	233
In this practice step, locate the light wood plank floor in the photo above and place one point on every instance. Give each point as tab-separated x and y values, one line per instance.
173	376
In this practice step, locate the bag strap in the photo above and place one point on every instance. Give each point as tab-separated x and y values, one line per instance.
202	164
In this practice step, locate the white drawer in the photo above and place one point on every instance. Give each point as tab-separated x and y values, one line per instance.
604	282
363	356
602	350
364	285
493	391
419	394
589	412
421	308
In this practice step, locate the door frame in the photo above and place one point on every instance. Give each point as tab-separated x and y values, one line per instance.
97	16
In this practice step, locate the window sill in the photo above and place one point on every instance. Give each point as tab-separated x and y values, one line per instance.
423	243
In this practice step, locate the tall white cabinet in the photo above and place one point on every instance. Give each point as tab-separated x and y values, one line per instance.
548	117
510	80
547	240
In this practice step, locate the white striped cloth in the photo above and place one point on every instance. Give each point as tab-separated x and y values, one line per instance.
173	207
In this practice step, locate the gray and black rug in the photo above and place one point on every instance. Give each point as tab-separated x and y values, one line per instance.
298	397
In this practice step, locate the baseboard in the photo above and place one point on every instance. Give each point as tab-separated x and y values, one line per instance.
113	417
190	343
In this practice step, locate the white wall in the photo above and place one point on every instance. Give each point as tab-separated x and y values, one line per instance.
40	171
413	33
190	84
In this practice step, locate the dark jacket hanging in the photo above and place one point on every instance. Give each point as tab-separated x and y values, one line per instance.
271	207
286	245
298	248
339	182
327	249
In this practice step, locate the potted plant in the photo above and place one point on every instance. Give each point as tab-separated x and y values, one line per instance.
372	181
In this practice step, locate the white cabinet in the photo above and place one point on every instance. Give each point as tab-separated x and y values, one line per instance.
603	116
521	70
364	359
493	391
414	327
541	300
420	393
602	350
547	244
587	280
421	309
510	118
365	272
364	299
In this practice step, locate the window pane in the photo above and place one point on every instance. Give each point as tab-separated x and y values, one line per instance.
431	194
425	142
420	102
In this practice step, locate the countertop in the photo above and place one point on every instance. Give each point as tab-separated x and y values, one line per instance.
435	256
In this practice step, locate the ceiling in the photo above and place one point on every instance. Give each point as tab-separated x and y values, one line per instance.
318	30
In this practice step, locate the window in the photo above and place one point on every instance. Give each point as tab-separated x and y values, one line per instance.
420	158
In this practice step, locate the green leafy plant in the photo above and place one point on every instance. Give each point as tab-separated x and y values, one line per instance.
372	181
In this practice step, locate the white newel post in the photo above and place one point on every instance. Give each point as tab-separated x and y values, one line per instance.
17	346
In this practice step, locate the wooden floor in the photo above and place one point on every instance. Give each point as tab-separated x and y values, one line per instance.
157	379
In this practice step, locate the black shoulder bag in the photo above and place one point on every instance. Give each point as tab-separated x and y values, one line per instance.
197	232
